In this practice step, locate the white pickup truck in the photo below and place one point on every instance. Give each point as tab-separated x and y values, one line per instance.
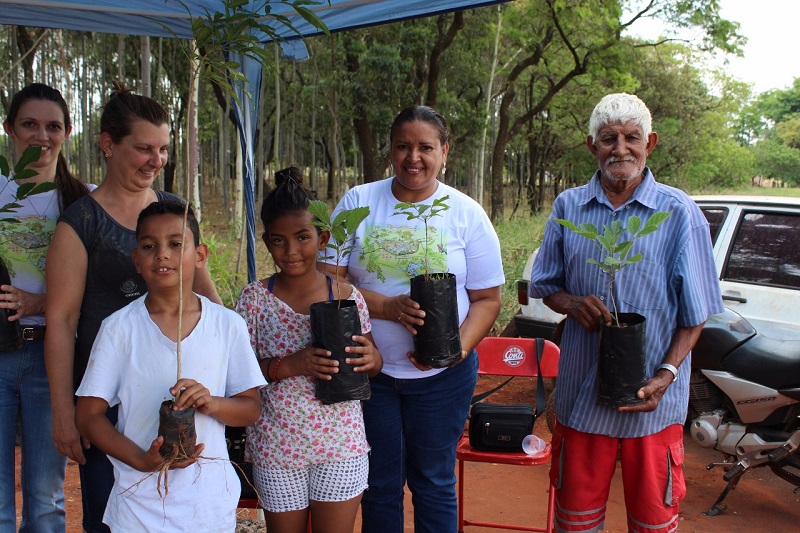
757	253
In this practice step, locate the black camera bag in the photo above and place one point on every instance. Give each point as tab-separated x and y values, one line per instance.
501	428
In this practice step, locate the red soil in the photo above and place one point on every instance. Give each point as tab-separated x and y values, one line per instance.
761	502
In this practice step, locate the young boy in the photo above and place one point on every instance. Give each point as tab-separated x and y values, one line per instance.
134	365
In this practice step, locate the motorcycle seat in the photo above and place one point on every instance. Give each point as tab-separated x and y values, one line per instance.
770	362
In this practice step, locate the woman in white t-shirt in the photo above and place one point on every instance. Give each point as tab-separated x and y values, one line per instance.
37	116
416	414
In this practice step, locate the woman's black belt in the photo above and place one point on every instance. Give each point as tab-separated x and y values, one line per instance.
33	333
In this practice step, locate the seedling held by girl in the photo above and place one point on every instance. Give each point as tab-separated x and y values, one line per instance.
307	456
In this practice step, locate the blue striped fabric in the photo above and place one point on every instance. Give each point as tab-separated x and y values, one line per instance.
675	285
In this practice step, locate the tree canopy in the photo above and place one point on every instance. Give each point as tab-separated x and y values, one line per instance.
516	82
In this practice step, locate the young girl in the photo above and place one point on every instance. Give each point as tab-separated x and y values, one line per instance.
306	456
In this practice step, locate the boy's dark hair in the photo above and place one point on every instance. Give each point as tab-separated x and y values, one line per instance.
170	207
288	195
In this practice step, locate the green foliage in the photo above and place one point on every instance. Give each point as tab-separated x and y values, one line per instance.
19	172
789	131
222	264
342	228
718	34
241	28
776	160
423	212
616	255
518	236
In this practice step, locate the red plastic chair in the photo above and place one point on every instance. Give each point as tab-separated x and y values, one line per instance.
508	356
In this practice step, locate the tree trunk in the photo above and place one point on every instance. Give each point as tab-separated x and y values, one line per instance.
366	143
362	127
276	139
313	144
498	157
145	59
120	57
477	191
446	38
28	42
83	84
192	141
238	177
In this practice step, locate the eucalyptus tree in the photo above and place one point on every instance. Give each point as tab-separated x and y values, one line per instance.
438	61
558	40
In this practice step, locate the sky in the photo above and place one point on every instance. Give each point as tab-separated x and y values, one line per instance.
770	26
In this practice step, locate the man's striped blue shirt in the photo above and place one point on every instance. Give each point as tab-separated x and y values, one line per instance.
675	285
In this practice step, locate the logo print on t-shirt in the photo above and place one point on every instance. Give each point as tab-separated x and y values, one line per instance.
399	251
129	288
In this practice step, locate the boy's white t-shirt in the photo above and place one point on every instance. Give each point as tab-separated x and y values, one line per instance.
133	365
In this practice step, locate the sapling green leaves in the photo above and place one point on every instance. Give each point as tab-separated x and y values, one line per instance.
423	212
616	254
19	172
342	228
242	27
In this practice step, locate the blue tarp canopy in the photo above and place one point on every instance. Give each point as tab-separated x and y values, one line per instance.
148	17
153	17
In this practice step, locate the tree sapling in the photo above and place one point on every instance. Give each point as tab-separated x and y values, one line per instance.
616	255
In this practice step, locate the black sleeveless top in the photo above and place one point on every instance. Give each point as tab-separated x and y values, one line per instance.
111	278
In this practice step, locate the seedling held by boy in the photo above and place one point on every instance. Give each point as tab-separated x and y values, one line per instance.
133	360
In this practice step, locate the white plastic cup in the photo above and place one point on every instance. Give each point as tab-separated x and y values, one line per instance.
533	445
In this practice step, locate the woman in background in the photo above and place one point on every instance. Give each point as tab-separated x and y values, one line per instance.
37	116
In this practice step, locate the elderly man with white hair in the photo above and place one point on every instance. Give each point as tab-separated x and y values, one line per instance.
675	287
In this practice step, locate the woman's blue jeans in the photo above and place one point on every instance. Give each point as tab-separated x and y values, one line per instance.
413	427
97	480
24	393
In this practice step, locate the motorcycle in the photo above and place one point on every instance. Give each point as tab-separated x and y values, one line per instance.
744	400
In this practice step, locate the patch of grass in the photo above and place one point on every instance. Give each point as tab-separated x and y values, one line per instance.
753	191
227	261
222	263
519	237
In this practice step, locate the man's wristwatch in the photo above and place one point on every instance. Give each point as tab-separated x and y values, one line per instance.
672	369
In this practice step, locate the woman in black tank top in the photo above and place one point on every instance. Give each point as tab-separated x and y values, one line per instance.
92	273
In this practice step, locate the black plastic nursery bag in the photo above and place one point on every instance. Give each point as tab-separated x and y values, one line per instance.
333	324
621	369
437	343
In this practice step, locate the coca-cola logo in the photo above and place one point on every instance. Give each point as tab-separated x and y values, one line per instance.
514	356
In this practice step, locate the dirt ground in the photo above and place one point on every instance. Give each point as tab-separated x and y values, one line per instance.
511	494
